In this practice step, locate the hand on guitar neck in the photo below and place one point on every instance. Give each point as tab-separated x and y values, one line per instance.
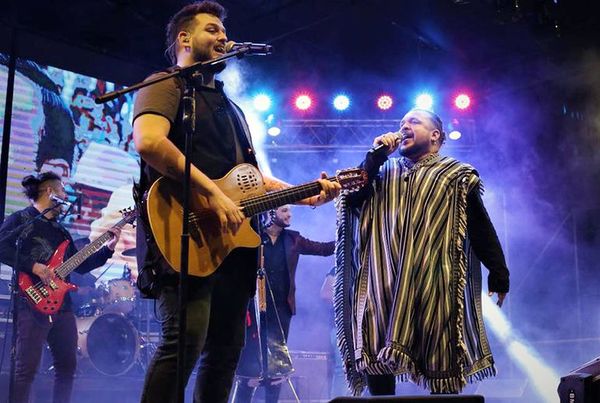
329	191
116	232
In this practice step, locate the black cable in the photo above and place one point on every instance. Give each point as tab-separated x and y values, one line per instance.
8	311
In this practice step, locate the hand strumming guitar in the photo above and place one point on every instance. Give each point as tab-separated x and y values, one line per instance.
43	272
230	215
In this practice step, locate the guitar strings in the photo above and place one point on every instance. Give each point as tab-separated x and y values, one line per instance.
257	201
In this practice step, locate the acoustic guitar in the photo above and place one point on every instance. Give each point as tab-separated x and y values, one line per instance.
209	246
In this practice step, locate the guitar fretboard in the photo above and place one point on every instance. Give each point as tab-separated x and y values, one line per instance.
77	259
269	201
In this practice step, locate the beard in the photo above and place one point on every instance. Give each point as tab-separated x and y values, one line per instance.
205	56
415	150
279	222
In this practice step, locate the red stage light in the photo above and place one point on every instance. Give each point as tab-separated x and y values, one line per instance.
303	102
385	102
462	101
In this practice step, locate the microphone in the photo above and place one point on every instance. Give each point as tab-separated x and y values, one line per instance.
249	48
58	200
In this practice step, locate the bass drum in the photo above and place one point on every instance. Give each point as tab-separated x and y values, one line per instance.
109	341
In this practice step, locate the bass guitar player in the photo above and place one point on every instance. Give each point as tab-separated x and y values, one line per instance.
39	238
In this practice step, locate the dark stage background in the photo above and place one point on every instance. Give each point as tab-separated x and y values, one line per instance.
533	133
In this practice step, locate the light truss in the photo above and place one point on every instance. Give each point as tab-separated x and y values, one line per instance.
304	135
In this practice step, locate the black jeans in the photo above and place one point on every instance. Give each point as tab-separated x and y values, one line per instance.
216	313
33	330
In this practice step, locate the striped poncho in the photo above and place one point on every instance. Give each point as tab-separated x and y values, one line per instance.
408	288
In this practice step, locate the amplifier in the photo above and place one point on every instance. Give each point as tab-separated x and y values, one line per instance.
310	377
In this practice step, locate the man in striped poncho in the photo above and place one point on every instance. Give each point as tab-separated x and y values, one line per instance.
408	280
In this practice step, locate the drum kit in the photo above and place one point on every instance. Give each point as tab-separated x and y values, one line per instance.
111	334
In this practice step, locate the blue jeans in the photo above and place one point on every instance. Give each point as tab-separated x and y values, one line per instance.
216	313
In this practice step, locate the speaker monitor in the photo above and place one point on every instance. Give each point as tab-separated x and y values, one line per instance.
310	378
582	385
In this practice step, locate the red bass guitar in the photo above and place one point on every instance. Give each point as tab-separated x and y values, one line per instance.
48	299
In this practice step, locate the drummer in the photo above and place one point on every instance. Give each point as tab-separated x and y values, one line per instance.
86	301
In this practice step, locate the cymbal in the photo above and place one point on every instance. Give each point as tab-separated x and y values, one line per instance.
128	252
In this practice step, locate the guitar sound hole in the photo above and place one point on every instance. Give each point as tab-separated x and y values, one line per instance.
247	183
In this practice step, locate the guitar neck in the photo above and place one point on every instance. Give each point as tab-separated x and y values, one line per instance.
269	201
77	259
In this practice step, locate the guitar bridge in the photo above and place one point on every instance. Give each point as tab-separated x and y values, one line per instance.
33	294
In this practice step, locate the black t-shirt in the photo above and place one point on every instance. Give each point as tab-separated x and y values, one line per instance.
219	142
276	268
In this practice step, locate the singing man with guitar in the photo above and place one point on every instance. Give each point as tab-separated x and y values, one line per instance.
223	277
44	306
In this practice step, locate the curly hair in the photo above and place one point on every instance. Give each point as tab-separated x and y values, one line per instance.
183	20
32	183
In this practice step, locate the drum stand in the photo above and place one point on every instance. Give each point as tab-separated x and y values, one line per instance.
260	306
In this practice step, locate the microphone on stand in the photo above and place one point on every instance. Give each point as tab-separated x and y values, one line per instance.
59	201
252	48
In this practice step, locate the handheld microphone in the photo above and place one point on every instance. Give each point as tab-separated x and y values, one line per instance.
249	47
58	200
381	148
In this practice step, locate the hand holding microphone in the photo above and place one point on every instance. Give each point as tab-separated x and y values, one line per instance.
388	143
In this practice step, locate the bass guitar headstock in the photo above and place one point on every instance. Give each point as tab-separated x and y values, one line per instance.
129	215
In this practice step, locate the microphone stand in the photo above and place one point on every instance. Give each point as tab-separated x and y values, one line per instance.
262	324
261	315
189	115
15	295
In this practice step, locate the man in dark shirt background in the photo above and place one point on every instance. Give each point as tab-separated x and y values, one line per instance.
39	239
282	248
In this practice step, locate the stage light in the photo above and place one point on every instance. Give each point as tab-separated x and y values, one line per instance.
454	129
385	102
522	353
262	102
273	125
462	101
424	101
341	102
274	131
454	135
303	102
